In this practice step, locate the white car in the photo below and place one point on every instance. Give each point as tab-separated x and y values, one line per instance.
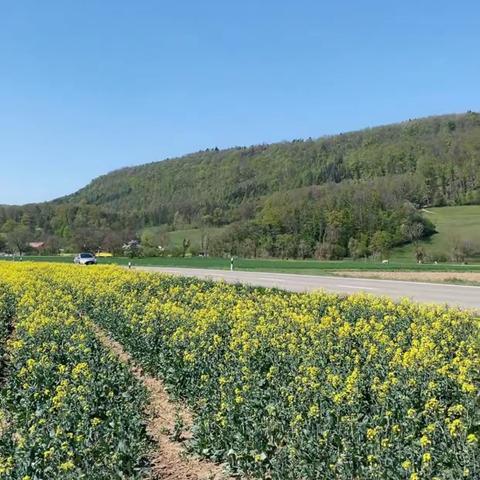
85	259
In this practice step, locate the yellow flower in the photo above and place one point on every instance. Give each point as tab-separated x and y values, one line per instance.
66	466
31	364
430	428
80	369
6	464
260	457
432	404
297	419
407	465
95	421
472	438
455	427
426	457
48	453
425	441
313	411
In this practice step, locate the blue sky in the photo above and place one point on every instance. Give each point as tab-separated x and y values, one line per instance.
90	86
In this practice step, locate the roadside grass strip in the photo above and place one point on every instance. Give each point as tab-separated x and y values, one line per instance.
288	386
71	410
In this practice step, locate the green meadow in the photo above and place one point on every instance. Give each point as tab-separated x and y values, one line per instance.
453	224
307	267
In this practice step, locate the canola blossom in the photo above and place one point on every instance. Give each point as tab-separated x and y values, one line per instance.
68	409
282	385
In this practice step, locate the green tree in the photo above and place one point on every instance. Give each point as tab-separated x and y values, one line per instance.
358	248
18	238
380	243
185	246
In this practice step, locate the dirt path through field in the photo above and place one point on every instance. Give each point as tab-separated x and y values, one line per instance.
169	461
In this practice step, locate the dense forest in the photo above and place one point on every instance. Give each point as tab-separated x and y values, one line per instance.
353	194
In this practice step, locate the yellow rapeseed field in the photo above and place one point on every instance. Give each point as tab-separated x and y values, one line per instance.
282	385
68	409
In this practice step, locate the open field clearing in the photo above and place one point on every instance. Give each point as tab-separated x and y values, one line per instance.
278	385
461	223
193	235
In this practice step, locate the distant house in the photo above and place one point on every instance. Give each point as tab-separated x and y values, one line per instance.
37	245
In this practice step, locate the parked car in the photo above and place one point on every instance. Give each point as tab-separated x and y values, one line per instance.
85	259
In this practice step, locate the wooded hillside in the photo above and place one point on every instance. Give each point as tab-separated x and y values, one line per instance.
324	195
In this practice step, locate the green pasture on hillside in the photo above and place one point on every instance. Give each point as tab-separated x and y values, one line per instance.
452	224
194	235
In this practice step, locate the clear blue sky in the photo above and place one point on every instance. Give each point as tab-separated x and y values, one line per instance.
93	85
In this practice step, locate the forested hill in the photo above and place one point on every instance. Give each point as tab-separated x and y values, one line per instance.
443	152
355	192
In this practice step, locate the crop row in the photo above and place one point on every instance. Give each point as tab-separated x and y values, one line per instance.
69	410
6	313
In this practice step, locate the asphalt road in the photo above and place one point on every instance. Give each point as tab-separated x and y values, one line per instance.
456	295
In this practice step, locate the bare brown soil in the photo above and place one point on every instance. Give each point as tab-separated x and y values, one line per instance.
3	425
169	460
440	277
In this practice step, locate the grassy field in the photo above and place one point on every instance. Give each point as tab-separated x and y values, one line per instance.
451	223
194	235
307	267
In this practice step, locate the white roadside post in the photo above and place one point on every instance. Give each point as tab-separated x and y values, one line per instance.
231	264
